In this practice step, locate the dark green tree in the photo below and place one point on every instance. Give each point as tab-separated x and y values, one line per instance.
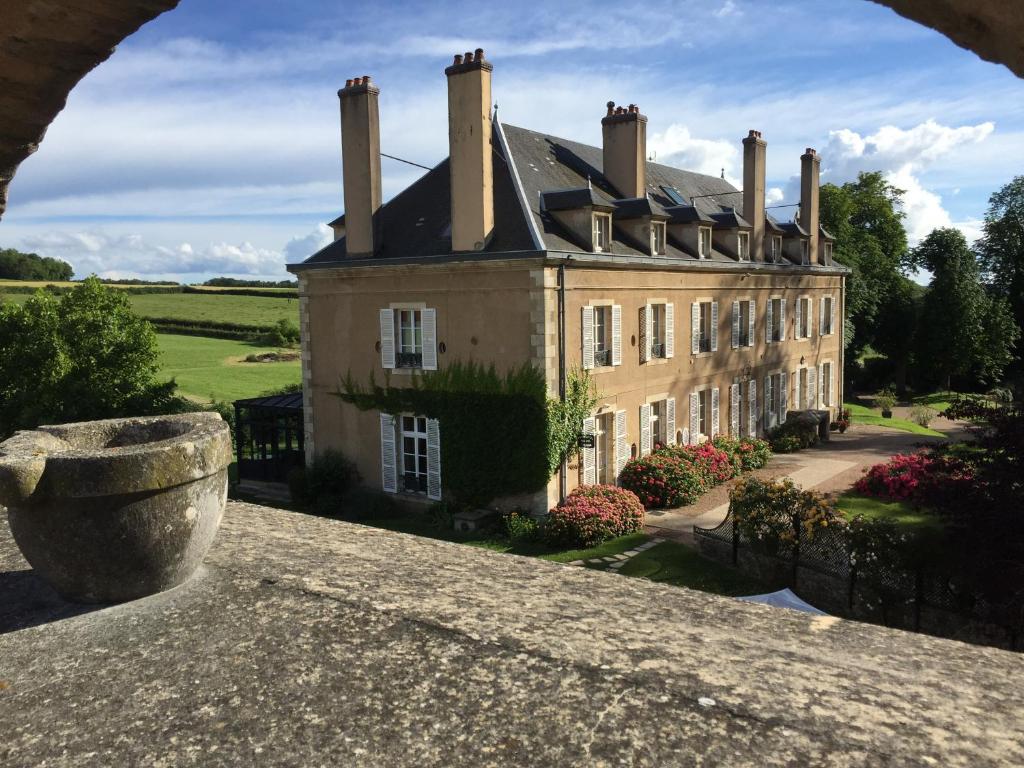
1001	251
15	265
84	355
963	333
865	218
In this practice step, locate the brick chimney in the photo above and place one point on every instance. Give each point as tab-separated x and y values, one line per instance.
810	169
360	156
469	149
625	149
753	191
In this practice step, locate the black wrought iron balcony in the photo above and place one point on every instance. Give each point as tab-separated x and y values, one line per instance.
409	360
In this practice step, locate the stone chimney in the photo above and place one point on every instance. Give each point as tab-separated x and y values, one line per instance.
360	157
753	191
625	149
469	150
810	169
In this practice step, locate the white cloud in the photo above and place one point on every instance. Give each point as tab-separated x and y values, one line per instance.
728	9
773	195
676	146
301	248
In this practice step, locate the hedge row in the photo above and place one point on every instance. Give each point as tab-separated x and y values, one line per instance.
138	290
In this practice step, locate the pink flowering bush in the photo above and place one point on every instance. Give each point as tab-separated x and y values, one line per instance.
921	478
714	464
663	480
592	514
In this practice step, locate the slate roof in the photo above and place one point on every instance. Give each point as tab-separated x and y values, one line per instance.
417	222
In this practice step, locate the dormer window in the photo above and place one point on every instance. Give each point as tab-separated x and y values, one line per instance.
743	246
828	253
658	238
704	242
775	248
602	232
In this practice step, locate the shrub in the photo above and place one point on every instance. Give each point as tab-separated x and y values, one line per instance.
520	527
712	463
329	477
731	447
752	452
771	512
663	480
805	431
784	443
592	514
924	478
284	333
885	399
923	415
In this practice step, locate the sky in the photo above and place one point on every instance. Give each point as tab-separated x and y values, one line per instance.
209	143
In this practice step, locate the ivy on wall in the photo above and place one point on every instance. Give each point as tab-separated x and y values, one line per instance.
501	435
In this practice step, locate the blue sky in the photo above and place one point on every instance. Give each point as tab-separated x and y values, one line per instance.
209	142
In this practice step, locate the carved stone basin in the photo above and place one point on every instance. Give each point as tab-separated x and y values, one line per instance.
108	511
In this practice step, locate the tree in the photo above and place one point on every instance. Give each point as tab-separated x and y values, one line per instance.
84	355
963	333
1001	251
15	265
865	218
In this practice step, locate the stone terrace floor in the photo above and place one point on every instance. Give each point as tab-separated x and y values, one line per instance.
309	641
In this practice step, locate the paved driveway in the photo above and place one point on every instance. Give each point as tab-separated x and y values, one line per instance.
830	467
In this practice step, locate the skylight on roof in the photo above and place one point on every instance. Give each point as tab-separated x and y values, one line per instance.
673	194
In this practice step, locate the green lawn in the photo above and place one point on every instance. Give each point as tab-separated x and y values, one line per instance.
940	401
682	566
902	514
212	369
213	307
864	415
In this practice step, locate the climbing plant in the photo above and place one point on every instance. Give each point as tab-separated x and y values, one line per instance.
501	434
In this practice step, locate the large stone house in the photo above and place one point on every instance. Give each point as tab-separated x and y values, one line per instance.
695	312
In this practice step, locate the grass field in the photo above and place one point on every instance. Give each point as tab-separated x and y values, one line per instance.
212	369
121	286
864	415
898	512
244	310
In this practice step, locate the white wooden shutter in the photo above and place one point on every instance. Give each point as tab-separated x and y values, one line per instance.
782	320
645	429
821	385
812	387
694	328
714	326
616	335
388	457
821	315
796	389
832	320
734	410
588	338
645	333
769	416
694	417
752	407
714	412
798	310
735	325
768	324
433	459
589	455
429	340
670	421
670	329
751	317
621	443
810	318
783	396
387	338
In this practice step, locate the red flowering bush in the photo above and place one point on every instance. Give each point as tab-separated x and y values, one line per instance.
746	452
714	464
664	480
592	514
921	478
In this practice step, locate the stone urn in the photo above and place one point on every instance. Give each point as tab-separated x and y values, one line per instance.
108	511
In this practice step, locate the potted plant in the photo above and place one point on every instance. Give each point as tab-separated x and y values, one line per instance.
885	400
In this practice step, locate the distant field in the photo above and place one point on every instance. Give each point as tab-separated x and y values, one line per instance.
60	284
198	308
211	369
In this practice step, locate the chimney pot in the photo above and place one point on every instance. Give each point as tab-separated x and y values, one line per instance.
611	107
479	54
458	59
810	151
467	57
366	79
348	83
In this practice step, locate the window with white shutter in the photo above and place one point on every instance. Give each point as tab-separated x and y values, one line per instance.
588	456
588	337
433	459
735	325
714	413
621	444
387	338
797	328
782	319
695	328
645	429
769	403
388	457
616	335
429	317
670	421
670	329
812	387
694	417
798	385
810	317
714	326
734	410
646	332
783	397
769	325
752	407
751	317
